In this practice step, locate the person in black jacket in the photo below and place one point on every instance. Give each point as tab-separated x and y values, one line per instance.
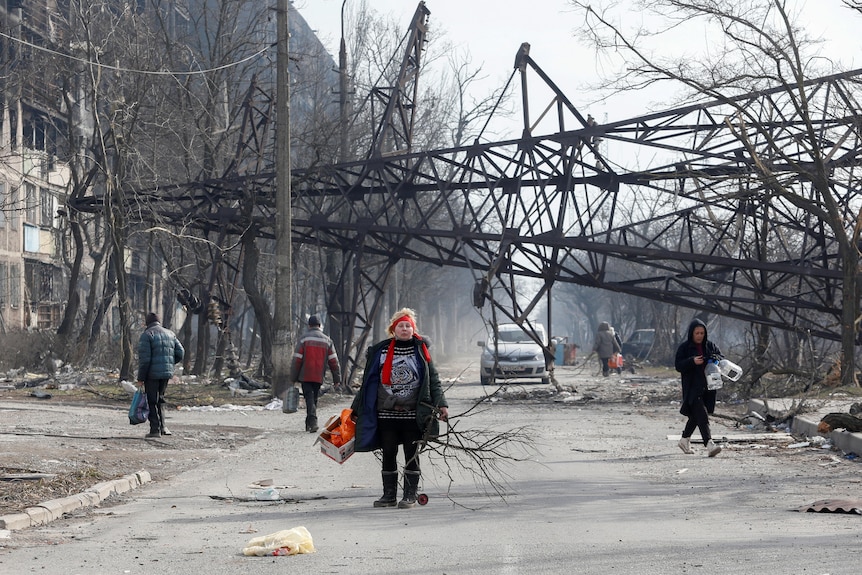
697	401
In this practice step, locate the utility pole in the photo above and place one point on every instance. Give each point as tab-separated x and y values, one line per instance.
282	350
339	326
343	91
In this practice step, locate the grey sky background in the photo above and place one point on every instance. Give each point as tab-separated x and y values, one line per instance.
492	31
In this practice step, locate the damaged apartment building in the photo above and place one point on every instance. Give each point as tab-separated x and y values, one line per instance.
41	57
35	176
32	179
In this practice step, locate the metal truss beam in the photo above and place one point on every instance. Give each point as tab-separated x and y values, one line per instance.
671	206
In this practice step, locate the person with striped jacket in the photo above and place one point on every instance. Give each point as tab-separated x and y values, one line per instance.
314	353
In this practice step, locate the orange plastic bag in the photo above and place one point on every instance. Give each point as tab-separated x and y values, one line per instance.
616	361
345	430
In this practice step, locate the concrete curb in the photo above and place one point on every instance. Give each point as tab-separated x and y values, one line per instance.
54	509
844	440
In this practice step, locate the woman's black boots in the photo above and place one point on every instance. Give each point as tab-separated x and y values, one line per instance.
411	485
390	490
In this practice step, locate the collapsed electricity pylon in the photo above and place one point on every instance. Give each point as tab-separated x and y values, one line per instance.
698	227
676	206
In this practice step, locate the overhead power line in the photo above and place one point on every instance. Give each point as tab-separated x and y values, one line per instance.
133	70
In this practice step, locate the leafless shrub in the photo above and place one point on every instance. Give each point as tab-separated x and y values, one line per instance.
479	453
25	349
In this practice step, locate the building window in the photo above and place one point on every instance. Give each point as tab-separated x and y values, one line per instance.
13	208
14	285
46	283
46	200
48	316
31	239
31	204
4	283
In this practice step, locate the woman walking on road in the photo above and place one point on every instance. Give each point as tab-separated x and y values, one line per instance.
697	401
398	404
606	345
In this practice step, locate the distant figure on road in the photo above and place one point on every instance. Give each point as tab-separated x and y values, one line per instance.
400	396
619	341
158	351
697	401
313	354
606	345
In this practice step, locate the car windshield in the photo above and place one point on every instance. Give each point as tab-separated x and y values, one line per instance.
514	337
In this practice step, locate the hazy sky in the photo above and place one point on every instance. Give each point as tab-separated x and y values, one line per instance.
493	30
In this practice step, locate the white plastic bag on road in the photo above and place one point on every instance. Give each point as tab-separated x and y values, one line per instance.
287	542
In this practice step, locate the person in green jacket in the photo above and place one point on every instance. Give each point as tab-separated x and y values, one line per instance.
158	351
399	403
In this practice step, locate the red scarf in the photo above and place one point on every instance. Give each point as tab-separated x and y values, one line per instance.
386	374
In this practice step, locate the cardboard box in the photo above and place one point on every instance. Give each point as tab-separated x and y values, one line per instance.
338	454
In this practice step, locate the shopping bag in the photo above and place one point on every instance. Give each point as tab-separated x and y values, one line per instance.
139	411
290	401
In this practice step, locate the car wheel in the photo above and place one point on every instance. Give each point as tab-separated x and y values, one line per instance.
485	380
546	380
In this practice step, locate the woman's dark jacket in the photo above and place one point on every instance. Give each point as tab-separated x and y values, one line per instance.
694	376
365	403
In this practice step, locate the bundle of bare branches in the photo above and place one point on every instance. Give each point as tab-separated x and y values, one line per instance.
481	453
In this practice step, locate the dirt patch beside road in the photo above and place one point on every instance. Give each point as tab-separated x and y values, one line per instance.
91	448
80	439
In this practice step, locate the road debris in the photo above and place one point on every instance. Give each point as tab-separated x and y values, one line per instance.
834	506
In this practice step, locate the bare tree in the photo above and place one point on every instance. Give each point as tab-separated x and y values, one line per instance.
103	113
753	44
446	115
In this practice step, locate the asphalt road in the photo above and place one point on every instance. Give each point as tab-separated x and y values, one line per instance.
603	491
